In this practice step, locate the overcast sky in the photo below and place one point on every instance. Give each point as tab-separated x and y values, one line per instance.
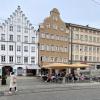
72	11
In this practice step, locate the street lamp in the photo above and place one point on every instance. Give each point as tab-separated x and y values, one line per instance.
70	40
71	44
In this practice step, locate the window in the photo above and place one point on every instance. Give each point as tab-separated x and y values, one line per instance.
32	60
55	18
10	37
10	47
54	26
59	59
94	39
11	28
90	58
47	47
51	59
90	38
2	47
32	49
48	25
77	36
10	58
25	48
44	58
81	48
33	39
62	28
47	36
86	49
86	38
85	58
2	37
52	36
26	30
18	38
97	49
76	57
98	40
77	47
90	49
3	58
65	60
81	58
81	38
94	59
65	49
25	59
18	28
94	49
25	38
97	58
61	38
18	59
43	35
18	48
18	19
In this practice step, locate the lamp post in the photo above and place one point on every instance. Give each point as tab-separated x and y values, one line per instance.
71	44
70	40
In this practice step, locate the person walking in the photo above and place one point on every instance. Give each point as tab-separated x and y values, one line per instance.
13	82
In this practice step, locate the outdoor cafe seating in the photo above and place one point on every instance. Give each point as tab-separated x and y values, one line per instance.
58	78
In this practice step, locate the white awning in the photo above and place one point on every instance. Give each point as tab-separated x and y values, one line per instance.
32	67
27	66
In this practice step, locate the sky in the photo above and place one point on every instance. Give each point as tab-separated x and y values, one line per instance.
83	12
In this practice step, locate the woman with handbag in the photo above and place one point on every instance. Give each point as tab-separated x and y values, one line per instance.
13	82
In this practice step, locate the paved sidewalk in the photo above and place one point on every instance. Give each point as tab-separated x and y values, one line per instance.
32	84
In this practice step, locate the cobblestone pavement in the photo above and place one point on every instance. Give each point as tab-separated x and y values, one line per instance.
34	85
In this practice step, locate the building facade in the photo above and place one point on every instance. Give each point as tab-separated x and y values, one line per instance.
18	44
84	44
53	40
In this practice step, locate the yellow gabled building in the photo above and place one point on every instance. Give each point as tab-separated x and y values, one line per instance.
53	40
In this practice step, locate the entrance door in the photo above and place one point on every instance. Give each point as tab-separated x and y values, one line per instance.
19	71
6	70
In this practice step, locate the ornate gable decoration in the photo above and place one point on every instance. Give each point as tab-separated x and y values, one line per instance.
54	21
18	18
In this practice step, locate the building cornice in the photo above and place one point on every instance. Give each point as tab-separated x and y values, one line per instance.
82	26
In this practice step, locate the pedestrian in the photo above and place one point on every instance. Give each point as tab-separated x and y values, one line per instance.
13	82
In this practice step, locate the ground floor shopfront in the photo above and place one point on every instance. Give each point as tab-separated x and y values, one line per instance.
20	70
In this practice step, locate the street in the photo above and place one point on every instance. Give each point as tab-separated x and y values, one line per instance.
33	89
61	94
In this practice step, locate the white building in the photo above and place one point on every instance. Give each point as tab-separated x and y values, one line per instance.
18	44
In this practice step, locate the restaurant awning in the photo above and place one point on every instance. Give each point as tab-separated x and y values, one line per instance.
56	66
79	65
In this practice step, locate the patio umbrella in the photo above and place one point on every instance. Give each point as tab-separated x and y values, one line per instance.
79	65
56	66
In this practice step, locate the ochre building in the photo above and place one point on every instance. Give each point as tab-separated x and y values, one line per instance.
53	40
